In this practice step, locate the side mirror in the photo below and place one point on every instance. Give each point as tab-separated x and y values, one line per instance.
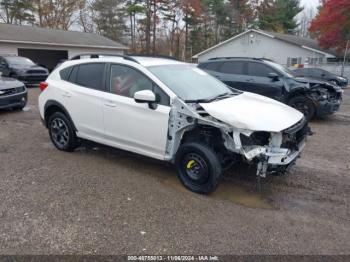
273	76
146	96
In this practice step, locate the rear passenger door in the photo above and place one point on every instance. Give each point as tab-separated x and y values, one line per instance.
233	73
81	94
260	83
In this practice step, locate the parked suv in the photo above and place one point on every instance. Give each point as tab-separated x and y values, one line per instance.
23	69
172	111
13	94
320	73
310	96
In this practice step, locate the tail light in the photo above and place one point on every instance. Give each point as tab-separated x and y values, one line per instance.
43	85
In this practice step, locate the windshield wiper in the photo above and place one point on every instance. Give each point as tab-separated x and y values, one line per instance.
208	100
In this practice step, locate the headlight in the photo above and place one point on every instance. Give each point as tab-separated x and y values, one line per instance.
20	89
256	139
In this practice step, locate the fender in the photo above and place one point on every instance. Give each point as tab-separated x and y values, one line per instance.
52	103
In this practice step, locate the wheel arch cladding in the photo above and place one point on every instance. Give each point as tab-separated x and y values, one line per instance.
53	106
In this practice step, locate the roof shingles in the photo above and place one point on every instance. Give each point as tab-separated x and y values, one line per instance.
32	34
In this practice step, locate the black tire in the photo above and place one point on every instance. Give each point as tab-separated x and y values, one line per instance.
62	132
304	105
198	168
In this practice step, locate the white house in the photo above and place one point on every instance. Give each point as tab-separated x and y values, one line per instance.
285	49
48	46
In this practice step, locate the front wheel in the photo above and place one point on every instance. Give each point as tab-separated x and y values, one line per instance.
304	105
198	168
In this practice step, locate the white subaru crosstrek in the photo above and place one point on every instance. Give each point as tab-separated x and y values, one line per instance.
172	111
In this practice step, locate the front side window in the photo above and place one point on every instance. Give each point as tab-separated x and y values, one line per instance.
261	70
189	82
280	69
91	75
126	81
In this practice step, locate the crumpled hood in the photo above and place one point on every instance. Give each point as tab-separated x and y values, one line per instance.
6	83
253	112
310	80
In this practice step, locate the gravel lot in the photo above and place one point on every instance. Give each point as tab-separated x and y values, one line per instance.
100	200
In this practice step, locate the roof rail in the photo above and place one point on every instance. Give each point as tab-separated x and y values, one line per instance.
95	55
230	57
155	56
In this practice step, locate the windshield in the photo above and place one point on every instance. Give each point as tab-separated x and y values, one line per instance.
17	60
191	83
285	71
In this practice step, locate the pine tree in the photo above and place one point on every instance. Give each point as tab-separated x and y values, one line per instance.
278	15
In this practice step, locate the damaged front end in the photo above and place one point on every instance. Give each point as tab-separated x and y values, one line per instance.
326	97
273	152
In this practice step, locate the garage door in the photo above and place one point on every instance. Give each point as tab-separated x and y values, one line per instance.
46	58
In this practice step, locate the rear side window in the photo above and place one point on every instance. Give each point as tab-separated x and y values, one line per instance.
257	69
64	73
213	66
233	67
91	75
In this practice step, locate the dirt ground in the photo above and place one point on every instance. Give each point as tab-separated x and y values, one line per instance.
100	200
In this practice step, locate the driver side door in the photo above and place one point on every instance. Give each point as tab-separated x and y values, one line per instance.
133	126
261	83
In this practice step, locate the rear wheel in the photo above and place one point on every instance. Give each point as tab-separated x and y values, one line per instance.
62	133
304	105
198	168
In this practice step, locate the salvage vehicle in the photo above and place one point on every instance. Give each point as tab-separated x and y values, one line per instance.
171	111
322	74
13	94
310	96
23	69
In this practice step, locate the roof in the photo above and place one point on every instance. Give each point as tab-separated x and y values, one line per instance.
43	36
155	61
144	61
306	43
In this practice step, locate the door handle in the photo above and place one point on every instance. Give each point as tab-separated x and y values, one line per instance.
110	104
67	94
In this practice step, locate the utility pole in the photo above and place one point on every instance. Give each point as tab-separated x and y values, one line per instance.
345	54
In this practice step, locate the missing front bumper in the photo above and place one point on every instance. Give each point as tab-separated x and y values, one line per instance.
278	161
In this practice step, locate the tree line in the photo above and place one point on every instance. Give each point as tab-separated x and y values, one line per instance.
178	28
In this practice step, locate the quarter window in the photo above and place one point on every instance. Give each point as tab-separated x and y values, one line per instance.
91	75
64	73
126	81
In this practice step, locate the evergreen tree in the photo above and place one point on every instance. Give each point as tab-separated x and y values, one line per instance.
278	15
109	18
